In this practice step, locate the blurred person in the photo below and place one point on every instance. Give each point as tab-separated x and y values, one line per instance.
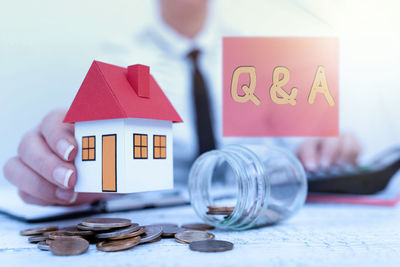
181	46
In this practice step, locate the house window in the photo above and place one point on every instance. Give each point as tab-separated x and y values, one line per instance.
88	148
160	146
140	146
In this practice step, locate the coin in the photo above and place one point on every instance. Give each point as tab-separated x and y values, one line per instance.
77	232
67	246
94	229
189	236
198	226
38	231
155	240
106	222
211	245
152	232
129	235
162	225
36	238
118	245
43	246
57	234
220	208
170	231
121	231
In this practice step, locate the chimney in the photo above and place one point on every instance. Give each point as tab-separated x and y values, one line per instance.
139	78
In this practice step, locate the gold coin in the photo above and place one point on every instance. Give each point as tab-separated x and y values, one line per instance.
118	245
38	231
106	222
66	246
129	235
198	226
189	236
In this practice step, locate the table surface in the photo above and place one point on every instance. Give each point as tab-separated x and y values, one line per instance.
319	235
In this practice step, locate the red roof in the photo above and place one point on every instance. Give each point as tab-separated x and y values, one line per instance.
106	93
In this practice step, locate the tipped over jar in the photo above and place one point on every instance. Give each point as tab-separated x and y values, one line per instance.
243	186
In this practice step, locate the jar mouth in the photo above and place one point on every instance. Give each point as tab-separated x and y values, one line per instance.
248	177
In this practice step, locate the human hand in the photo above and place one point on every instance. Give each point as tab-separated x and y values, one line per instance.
322	153
43	171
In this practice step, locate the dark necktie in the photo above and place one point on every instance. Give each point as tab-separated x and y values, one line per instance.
201	101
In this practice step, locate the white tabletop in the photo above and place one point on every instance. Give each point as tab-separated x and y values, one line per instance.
320	235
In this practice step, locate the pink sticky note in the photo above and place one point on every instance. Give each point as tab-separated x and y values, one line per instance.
280	86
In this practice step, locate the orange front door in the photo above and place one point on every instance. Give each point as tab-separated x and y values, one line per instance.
110	163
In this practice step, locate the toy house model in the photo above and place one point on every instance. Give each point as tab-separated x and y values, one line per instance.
123	126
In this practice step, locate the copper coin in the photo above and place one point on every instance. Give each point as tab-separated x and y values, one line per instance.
43	245
118	245
220	209
170	231
211	245
106	222
129	235
152	232
37	238
155	240
38	231
198	226
57	234
189	236
67	246
121	231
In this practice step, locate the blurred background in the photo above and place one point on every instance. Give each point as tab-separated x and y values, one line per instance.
46	48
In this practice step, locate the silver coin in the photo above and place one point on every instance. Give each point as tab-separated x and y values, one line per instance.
42	245
152	232
122	231
189	236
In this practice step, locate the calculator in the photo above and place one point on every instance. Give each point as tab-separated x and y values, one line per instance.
360	180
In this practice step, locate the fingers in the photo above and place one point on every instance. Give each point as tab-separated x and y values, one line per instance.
29	182
308	154
58	135
32	200
350	149
329	151
36	154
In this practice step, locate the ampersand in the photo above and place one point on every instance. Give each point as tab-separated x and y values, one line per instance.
276	88
247	89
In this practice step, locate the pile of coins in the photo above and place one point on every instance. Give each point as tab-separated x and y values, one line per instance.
217	210
117	234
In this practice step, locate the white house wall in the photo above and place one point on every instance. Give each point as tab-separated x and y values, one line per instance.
147	174
89	175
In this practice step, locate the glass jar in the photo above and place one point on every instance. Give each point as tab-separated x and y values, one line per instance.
262	184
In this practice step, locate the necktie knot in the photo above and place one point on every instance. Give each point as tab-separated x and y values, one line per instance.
193	55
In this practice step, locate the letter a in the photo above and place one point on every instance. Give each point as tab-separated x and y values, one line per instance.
320	86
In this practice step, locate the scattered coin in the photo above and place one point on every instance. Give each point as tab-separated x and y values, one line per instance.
67	246
170	231
106	222
129	235
118	245
152	232
57	234
38	231
94	229
155	240
198	226
77	232
216	210
211	245
43	245
36	238
121	231
162	225
189	236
